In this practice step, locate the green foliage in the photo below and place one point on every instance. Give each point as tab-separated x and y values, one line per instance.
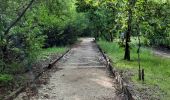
155	21
110	18
45	24
5	79
45	53
62	27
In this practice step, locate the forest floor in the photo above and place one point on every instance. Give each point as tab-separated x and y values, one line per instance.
79	75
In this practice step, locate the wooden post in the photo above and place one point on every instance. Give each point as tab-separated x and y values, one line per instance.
139	74
49	66
143	75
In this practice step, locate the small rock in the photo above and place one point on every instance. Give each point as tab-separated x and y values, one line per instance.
49	88
46	96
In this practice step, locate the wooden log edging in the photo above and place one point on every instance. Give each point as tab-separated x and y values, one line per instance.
123	85
15	93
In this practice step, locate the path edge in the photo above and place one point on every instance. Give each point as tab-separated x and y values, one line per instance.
15	93
123	85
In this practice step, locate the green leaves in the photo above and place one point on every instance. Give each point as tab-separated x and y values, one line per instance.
5	79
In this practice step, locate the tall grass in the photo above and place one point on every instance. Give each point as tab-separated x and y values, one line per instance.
45	53
157	69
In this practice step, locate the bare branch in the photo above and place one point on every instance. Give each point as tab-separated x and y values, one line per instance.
18	18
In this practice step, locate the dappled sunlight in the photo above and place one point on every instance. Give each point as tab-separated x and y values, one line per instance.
60	36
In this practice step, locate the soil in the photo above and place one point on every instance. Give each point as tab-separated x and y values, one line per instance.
79	75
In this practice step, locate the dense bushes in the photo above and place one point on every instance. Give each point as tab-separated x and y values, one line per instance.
56	37
44	24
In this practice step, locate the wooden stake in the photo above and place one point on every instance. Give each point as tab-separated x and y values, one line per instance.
143	75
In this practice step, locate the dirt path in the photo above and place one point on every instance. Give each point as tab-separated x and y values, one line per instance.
161	52
81	77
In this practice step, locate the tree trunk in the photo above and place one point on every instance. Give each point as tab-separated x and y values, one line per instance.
111	37
127	51
138	51
128	33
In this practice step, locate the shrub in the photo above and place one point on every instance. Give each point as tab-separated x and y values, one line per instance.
5	79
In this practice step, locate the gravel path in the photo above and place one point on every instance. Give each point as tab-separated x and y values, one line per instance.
81	77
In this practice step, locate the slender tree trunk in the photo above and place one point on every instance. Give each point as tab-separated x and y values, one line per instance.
138	51
128	33
97	35
4	48
4	56
111	37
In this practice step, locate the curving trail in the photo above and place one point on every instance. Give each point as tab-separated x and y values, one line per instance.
81	76
161	52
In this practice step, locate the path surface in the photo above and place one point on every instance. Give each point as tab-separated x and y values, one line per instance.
81	76
161	52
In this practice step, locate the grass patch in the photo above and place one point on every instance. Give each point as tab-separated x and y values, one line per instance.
45	53
157	69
